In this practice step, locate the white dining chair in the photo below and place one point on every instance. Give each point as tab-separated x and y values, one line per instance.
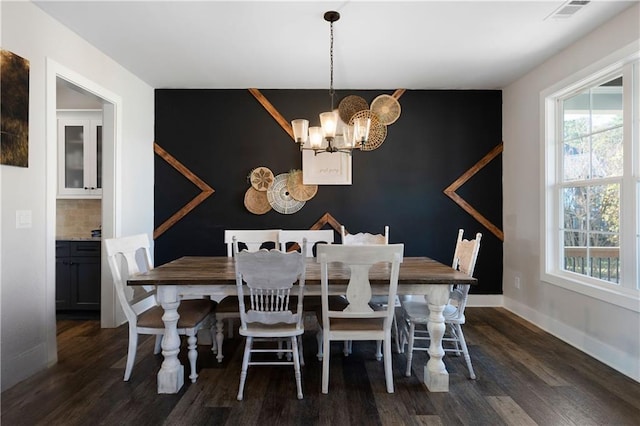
358	321
228	308
130	255
265	283
416	308
376	302
313	237
364	237
252	239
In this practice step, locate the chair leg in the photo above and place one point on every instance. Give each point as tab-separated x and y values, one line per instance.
300	350
319	340
193	356
348	347
157	348
219	338
325	363
412	331
455	339
399	346
131	353
378	350
388	371
290	352
214	342
465	351
245	366
296	364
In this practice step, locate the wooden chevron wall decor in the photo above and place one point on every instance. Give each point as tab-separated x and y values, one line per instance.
450	191
325	219
207	191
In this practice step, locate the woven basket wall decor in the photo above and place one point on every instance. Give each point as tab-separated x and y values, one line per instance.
261	178
298	190
280	198
256	201
387	108
350	105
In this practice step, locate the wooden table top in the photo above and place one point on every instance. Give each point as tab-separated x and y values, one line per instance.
201	270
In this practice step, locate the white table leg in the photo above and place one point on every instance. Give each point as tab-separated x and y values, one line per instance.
171	374
436	376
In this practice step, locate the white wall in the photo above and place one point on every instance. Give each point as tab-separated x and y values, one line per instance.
27	312
607	332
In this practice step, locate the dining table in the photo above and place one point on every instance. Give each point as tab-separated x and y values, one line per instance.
215	277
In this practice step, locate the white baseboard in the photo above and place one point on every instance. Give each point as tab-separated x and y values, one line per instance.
479	300
611	356
22	366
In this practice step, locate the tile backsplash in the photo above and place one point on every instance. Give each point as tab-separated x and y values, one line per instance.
76	218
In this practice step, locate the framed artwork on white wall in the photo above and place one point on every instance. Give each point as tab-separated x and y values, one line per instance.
14	119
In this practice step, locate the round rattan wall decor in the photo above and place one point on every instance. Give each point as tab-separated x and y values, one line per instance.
261	178
280	198
377	131
387	108
297	189
256	201
350	105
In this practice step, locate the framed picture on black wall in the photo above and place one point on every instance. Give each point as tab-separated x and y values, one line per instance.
326	168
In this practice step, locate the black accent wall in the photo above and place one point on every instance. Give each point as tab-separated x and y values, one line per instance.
221	135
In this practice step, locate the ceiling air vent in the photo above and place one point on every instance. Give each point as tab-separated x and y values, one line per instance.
568	9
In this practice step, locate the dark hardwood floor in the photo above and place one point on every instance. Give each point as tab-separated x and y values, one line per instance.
525	377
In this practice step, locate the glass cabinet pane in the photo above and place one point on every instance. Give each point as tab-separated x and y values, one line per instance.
99	156
79	154
74	156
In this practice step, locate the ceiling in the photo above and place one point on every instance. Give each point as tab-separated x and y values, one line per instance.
285	45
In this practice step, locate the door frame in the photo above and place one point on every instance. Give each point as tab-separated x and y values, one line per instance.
111	192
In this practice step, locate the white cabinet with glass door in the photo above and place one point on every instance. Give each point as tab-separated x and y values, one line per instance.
80	154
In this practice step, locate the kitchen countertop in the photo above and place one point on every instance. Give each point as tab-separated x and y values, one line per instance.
78	238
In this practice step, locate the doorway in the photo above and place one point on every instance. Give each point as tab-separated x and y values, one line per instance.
111	106
78	202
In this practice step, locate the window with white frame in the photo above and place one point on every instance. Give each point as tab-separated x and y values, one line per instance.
592	184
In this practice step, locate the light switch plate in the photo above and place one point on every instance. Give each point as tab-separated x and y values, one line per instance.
23	218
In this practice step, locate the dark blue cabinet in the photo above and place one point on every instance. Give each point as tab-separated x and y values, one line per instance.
77	275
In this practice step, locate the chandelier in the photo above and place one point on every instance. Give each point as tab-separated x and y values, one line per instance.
354	135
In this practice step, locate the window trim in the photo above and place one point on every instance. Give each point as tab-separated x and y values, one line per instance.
619	295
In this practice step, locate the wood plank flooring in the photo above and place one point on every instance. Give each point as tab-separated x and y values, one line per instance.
525	377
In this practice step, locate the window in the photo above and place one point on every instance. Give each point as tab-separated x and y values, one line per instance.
592	185
592	168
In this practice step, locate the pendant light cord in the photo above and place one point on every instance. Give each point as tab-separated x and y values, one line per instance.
331	91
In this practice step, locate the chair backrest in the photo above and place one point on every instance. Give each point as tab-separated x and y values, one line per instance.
128	256
360	259
264	281
466	253
464	260
364	237
253	239
313	236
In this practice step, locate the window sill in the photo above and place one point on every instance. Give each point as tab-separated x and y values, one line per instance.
619	296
